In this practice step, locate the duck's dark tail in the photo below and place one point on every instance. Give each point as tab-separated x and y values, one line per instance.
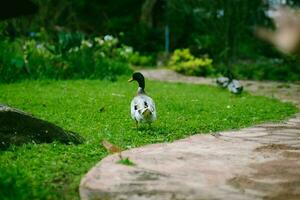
147	113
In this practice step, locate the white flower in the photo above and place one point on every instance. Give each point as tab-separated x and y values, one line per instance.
220	13
102	54
108	38
128	49
86	43
99	41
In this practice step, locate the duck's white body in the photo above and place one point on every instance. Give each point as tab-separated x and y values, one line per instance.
223	81
235	87
143	108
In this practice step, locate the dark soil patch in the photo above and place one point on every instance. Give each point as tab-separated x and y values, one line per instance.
274	148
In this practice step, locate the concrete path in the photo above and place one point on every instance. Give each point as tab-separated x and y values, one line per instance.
261	162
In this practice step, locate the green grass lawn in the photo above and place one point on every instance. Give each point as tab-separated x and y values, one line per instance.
101	109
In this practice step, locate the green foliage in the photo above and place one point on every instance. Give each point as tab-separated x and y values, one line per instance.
71	56
126	161
109	68
141	60
100	110
67	40
181	55
221	29
267	69
201	24
11	62
184	62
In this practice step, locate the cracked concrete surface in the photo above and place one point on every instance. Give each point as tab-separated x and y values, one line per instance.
260	162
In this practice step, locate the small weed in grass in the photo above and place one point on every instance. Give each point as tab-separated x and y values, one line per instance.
284	85
126	161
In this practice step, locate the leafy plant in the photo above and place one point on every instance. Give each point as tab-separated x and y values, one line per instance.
184	62
181	55
126	161
68	40
141	60
12	63
71	56
267	69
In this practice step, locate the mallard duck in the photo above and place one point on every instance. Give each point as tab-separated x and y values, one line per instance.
142	106
222	81
233	85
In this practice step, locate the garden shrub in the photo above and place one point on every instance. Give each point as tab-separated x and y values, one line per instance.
110	69
11	62
68	40
141	60
184	62
268	69
71	56
181	55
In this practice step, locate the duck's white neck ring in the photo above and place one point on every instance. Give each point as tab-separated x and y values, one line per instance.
140	90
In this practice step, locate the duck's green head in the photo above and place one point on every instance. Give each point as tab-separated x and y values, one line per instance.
137	76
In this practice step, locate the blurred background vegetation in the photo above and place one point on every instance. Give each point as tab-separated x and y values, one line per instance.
103	39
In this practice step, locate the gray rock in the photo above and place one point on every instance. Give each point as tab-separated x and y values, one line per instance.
17	128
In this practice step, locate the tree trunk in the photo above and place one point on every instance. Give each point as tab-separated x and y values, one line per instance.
146	12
